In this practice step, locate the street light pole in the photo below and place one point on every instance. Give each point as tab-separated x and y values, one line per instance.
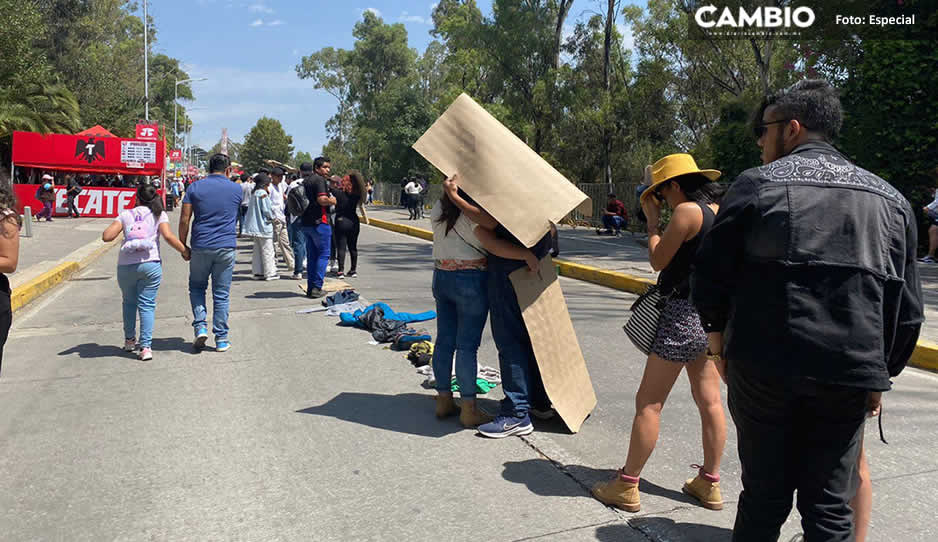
146	66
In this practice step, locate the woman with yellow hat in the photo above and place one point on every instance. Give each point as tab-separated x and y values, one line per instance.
680	341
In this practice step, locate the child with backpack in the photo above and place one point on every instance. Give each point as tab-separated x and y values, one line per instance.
139	269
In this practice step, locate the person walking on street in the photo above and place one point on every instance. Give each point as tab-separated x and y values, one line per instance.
258	225
247	188
412	189
347	225
139	267
278	204
521	378
72	189
680	342
316	228
460	288
212	205
10	224
46	195
295	227
810	274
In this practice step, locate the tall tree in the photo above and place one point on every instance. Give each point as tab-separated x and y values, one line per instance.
267	140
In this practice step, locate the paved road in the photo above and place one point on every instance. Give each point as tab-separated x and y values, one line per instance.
304	431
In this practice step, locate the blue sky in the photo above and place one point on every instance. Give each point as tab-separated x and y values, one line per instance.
248	50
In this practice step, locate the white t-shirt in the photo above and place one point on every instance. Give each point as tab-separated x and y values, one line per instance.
460	244
278	201
412	188
247	188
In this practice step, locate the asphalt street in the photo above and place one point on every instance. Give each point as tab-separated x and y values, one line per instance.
305	431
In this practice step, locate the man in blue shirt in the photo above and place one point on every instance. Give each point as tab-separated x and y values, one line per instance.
215	202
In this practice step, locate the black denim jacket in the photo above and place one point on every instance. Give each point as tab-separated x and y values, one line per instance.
810	271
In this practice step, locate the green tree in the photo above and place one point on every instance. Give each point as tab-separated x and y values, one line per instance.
302	156
266	141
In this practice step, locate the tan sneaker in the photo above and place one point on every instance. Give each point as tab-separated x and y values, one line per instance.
445	406
705	491
473	417
618	493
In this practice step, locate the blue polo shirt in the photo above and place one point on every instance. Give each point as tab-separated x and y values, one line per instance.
215	204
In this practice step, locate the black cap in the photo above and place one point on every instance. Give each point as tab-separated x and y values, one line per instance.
306	167
263	169
278	171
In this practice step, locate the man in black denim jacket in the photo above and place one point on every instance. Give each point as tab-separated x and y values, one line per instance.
809	273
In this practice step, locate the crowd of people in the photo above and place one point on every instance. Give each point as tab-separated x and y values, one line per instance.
798	287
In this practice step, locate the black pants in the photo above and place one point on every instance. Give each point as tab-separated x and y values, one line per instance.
6	316
346	237
802	437
72	210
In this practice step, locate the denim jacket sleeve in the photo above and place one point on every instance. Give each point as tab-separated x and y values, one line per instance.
720	257
911	304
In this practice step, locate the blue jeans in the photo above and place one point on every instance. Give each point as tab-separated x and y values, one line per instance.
298	244
139	283
219	264
614	222
462	306
521	379
318	240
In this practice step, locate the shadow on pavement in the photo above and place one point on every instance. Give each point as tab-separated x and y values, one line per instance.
273	295
95	350
658	528
530	473
410	413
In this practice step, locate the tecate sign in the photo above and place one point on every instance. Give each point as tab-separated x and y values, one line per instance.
761	17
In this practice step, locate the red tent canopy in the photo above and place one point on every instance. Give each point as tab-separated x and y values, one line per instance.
89	153
97	131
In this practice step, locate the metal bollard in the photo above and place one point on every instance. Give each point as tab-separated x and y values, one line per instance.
27	221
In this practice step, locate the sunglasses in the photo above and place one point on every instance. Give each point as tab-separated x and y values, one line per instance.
760	129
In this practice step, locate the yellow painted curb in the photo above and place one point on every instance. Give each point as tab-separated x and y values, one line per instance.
925	355
402	228
39	285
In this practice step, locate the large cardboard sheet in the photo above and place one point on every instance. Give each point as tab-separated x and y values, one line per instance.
559	358
508	179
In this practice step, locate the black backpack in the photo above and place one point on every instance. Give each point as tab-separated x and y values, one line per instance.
297	202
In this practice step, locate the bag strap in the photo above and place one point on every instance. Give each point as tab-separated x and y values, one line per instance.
454	230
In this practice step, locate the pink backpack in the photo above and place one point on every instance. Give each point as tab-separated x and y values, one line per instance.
141	234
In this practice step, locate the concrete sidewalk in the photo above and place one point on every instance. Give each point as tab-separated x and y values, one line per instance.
626	255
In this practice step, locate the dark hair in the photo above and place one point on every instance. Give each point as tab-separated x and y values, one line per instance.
8	202
450	212
306	167
611	196
700	189
218	163
261	180
812	102
352	183
264	169
148	197
319	161
245	177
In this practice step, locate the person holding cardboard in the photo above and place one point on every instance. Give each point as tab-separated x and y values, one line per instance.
521	379
680	342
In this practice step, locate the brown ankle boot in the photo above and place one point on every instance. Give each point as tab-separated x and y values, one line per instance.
705	490
471	416
445	406
618	493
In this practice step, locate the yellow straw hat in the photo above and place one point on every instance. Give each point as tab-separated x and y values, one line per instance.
675	165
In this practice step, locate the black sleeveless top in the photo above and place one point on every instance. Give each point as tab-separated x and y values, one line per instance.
676	276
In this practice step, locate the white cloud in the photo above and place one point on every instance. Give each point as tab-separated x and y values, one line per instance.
373	10
278	22
260	8
405	18
257	22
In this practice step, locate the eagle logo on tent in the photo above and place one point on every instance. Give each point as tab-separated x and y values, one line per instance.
89	150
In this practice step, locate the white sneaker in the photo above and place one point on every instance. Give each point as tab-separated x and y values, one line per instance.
272	277
146	354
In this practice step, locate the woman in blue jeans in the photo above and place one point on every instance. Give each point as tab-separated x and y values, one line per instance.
461	292
138	266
